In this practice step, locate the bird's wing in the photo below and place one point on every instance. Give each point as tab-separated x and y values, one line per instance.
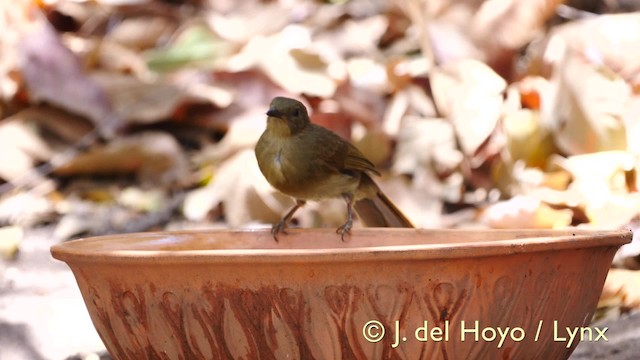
343	156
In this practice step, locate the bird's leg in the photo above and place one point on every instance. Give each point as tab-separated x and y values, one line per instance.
282	224
346	227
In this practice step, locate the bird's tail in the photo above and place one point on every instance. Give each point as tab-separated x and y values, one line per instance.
378	210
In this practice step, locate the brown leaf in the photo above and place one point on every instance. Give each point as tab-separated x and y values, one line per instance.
143	102
141	32
155	157
54	74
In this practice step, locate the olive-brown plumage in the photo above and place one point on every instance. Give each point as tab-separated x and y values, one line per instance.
309	162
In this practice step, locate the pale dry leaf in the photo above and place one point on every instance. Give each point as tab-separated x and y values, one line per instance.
143	102
146	200
54	74
621	289
10	238
600	179
470	95
425	143
632	124
21	147
250	20
25	208
245	194
395	112
112	56
510	24
588	111
15	20
524	211
155	157
610	40
141	32
243	132
355	37
369	74
273	55
422	208
201	85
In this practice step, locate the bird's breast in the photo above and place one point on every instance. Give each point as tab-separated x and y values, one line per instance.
292	168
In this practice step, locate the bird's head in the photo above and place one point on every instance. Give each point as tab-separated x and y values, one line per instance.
289	112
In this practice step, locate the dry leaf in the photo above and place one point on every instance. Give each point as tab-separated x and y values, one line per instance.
141	32
606	40
25	208
425	143
245	194
21	148
155	157
600	180
525	212
510	24
273	55
469	94
584	120
143	102
249	20
621	289
10	238
54	74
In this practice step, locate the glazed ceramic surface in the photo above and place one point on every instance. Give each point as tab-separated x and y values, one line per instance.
381	294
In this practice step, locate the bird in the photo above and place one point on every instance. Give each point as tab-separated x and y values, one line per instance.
311	163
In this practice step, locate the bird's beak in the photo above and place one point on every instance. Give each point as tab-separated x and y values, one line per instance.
274	113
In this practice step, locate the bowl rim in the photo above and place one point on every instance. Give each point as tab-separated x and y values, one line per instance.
547	240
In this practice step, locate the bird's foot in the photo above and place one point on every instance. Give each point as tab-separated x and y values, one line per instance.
279	227
345	229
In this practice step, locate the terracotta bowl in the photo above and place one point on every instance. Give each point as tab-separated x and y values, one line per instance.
382	294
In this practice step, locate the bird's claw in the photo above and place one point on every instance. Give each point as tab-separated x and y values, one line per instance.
344	229
279	227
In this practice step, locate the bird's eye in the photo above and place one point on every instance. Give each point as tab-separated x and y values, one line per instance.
296	112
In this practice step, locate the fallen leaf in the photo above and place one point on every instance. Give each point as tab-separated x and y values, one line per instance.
22	148
141	32
143	102
426	143
273	55
600	181
10	238
155	157
470	95
621	289
54	74
525	212
511	24
583	120
243	191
